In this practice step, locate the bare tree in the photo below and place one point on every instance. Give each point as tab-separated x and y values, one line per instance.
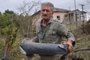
29	7
25	18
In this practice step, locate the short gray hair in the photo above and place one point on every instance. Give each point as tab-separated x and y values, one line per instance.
49	4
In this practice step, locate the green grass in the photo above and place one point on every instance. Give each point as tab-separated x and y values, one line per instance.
83	41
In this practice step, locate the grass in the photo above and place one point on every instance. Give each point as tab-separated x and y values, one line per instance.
83	41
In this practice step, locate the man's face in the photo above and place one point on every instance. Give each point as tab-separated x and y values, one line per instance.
46	12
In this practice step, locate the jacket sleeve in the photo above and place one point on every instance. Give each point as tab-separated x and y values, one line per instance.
37	28
63	31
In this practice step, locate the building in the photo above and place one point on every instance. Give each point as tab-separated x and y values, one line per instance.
75	16
64	15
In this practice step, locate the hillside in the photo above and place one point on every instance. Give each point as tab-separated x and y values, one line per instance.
82	42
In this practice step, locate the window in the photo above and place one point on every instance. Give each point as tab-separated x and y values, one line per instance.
58	17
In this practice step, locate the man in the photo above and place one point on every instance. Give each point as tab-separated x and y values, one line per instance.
51	31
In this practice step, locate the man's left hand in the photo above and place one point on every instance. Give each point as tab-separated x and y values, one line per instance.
70	46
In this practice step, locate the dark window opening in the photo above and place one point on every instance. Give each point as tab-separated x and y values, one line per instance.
58	17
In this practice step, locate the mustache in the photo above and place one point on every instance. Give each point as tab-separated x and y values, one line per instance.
44	15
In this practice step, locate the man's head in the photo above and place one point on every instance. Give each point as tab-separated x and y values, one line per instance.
47	10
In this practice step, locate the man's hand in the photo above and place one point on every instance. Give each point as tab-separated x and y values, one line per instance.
70	46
